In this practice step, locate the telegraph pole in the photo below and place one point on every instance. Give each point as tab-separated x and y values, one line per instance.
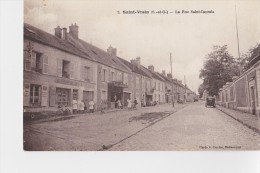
238	42
172	81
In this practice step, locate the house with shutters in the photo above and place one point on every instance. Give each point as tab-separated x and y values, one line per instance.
61	68
141	81
157	85
55	71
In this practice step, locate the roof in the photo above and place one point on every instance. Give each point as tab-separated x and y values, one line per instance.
73	46
134	68
38	35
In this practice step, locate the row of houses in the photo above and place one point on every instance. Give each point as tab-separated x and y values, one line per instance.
60	68
243	93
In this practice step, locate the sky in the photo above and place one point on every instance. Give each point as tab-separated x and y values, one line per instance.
189	37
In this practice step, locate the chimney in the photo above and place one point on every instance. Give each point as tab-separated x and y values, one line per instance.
169	75
58	31
64	33
112	51
138	61
74	31
163	73
151	68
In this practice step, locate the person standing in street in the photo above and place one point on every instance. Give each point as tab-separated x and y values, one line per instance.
75	106
135	103
119	104
91	106
129	104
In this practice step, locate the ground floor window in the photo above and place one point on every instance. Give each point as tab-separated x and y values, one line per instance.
63	96
75	94
35	95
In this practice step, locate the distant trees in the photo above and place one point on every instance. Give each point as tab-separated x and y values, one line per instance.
218	69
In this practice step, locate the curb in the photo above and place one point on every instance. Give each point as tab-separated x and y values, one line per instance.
240	121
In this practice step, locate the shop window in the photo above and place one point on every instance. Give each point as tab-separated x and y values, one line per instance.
35	95
63	96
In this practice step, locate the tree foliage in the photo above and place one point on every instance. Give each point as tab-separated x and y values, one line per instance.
218	69
201	90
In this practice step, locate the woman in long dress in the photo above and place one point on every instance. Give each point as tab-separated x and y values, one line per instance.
129	104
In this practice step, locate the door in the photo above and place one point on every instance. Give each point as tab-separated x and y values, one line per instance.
87	96
252	96
253	99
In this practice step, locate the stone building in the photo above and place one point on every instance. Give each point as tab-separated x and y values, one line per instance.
244	90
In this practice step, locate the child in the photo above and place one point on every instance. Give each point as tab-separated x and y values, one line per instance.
91	106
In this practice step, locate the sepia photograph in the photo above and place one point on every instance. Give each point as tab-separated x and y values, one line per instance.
141	75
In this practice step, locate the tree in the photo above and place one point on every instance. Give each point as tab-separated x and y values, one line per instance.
218	69
247	57
201	89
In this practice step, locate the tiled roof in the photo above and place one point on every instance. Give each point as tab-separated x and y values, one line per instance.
76	47
38	35
134	68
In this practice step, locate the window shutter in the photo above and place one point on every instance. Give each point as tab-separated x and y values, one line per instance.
33	61
27	60
59	67
44	95
72	75
52	96
26	94
45	64
107	75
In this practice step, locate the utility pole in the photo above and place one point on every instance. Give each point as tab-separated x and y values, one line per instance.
172	81
238	42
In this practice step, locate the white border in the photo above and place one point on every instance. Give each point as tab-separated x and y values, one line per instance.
14	159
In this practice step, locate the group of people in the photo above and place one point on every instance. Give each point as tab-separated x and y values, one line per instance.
130	105
81	107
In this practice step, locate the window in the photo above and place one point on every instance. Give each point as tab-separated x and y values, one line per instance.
113	76
35	95
87	73
36	62
103	95
125	78
63	96
65	69
75	94
104	75
119	76
137	85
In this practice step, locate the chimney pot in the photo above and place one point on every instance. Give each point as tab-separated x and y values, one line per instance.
58	32
74	31
151	68
112	51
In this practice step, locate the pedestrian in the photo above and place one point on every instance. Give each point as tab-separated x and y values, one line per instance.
129	104
74	106
135	103
119	104
91	106
81	106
